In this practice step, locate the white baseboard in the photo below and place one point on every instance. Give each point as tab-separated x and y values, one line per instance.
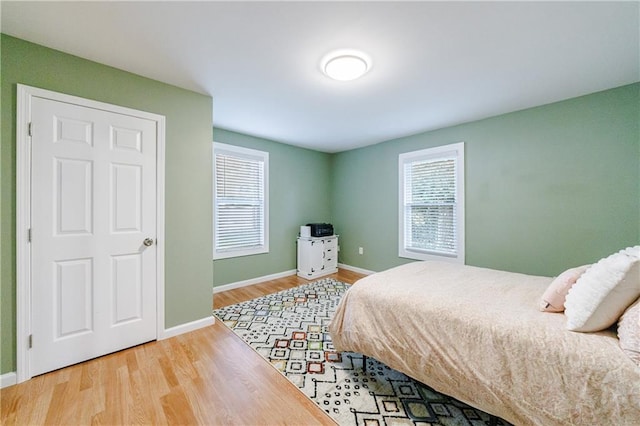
8	379
355	269
185	328
252	281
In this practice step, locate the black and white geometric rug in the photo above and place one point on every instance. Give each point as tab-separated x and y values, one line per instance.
289	329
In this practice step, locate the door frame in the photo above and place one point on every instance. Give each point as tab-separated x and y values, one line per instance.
25	95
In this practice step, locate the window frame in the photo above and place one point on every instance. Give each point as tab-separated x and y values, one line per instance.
455	151
246	154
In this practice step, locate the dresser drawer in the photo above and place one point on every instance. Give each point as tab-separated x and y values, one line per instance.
331	244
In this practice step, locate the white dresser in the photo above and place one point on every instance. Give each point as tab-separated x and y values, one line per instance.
317	256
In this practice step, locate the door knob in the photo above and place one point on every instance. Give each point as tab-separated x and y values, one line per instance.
148	242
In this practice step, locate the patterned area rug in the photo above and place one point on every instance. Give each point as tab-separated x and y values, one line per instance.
289	329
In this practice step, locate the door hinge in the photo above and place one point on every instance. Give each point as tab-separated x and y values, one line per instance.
30	129
29	235
30	341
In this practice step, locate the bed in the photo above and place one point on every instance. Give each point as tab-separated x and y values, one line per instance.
477	335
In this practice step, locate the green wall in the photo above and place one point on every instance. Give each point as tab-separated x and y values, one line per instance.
299	193
547	188
188	245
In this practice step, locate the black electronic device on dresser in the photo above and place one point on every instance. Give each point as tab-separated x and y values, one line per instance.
320	229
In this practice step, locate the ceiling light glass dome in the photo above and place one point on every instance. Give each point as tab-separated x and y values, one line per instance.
345	65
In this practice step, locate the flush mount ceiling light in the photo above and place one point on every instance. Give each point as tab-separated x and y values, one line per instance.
345	65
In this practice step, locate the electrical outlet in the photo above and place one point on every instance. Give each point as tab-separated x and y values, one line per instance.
360	250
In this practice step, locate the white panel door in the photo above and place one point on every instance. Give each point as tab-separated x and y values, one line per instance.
93	205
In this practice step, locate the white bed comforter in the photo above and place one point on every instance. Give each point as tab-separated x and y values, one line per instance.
476	334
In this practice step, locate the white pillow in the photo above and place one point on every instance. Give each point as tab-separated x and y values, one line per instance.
604	291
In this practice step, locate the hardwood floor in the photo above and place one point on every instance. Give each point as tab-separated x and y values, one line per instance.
207	377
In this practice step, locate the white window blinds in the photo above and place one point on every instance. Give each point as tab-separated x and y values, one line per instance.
240	207
431	202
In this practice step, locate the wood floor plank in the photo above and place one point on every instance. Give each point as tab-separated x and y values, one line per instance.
40	394
208	376
55	413
177	408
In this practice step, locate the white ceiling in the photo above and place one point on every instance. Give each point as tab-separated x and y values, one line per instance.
435	64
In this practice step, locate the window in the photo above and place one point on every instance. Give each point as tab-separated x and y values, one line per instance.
240	193
432	203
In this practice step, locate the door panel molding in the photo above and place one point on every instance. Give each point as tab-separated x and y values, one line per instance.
25	96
